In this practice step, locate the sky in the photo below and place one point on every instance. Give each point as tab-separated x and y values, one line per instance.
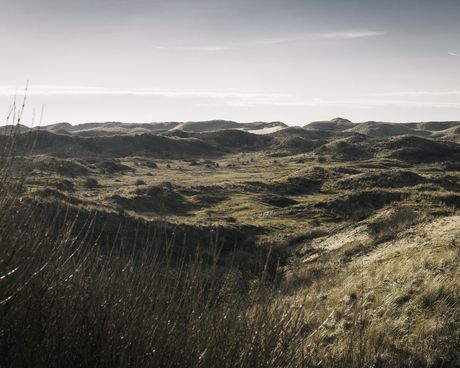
294	61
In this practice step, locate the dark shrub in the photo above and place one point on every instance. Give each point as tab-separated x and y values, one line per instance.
139	182
65	185
91	183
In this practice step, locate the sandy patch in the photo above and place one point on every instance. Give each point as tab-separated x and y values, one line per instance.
442	230
267	130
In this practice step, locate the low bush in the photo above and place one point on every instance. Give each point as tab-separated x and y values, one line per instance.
151	165
66	185
139	182
91	183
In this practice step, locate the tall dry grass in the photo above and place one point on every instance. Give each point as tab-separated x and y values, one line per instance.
67	300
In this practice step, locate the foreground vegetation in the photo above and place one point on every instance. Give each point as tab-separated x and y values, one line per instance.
330	255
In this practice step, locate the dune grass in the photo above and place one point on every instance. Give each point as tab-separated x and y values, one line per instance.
69	298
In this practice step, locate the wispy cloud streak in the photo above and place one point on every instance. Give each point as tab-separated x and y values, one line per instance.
419	93
369	103
345	103
348	35
453	54
317	36
196	48
278	40
95	91
248	98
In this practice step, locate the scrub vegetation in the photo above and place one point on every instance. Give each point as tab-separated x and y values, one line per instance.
229	249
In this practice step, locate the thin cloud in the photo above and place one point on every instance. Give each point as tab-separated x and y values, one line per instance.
348	35
258	96
354	103
453	54
345	103
316	36
243	98
48	90
196	48
247	98
369	103
278	40
419	93
206	48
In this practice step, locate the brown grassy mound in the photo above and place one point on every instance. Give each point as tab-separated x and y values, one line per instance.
417	149
380	130
112	146
353	148
347	204
381	179
337	124
277	200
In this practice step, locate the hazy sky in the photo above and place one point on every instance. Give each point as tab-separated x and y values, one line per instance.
294	61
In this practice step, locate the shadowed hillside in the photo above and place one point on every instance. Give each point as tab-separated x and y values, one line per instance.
178	143
116	145
332	129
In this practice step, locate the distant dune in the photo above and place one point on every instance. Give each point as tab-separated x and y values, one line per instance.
438	125
213	125
206	126
374	129
380	130
334	124
328	129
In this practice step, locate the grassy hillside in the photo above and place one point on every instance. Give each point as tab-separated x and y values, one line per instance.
228	248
